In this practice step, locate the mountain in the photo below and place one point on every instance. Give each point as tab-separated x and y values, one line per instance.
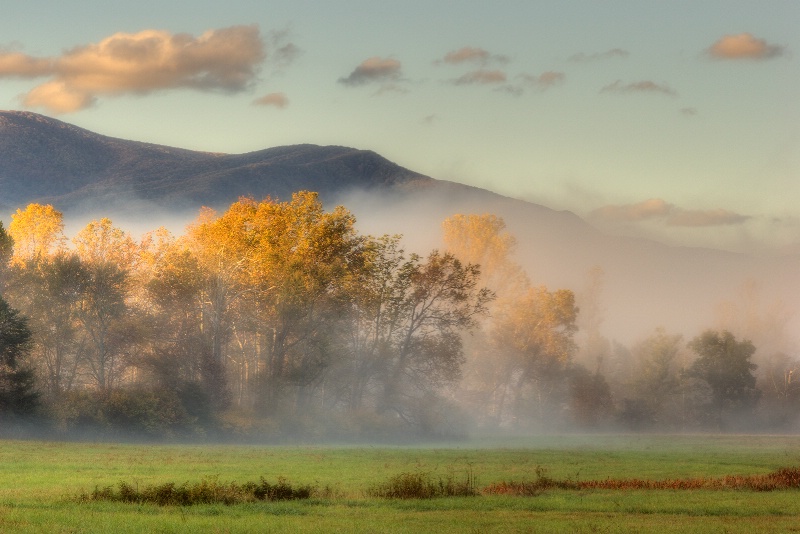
142	186
46	160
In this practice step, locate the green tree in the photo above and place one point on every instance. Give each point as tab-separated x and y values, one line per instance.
724	364
18	397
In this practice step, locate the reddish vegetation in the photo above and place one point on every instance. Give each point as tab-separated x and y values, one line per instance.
784	478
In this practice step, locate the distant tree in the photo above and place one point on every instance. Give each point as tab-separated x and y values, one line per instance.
590	399
724	364
18	396
654	392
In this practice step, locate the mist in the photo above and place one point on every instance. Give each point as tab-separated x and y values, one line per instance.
630	295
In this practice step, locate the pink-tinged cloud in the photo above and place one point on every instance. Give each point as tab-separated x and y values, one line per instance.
58	97
744	46
543	81
697	218
278	100
481	77
140	63
614	53
18	65
648	209
470	54
374	69
645	86
668	214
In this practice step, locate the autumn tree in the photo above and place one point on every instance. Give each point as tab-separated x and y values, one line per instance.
37	231
105	253
533	337
724	364
483	240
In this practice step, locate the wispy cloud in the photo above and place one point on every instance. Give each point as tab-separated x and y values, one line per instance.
469	54
744	46
224	60
688	112
374	69
645	86
278	100
481	77
544	80
614	53
534	82
668	214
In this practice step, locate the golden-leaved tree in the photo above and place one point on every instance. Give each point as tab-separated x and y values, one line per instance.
37	231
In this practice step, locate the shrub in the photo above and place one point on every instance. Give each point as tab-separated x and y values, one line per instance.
423	486
207	491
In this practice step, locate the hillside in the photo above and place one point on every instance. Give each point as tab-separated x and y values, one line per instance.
46	160
142	186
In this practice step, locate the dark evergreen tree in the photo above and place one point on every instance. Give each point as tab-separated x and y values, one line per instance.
18	396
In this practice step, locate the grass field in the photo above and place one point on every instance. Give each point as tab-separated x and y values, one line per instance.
40	483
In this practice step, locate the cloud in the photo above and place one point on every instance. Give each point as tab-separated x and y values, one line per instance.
696	218
688	112
649	209
638	87
18	65
609	54
744	46
374	69
669	214
544	81
278	100
481	77
470	54
140	63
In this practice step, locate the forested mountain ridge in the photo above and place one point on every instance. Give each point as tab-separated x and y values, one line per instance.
46	160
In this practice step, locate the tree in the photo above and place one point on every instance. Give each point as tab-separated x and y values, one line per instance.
18	397
483	240
654	390
55	288
101	242
724	364
533	335
37	231
433	302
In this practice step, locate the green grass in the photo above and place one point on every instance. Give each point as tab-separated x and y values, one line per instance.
40	483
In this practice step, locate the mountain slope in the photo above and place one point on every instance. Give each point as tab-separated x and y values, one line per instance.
142	186
47	160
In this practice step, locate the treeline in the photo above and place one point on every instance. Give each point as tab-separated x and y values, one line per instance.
276	320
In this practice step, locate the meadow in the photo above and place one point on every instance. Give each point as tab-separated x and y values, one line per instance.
41	484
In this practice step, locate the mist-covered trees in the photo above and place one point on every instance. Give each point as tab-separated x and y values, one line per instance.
278	318
724	364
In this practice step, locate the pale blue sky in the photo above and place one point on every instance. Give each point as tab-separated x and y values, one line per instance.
617	110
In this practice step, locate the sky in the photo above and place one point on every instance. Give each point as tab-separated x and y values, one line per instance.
677	121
